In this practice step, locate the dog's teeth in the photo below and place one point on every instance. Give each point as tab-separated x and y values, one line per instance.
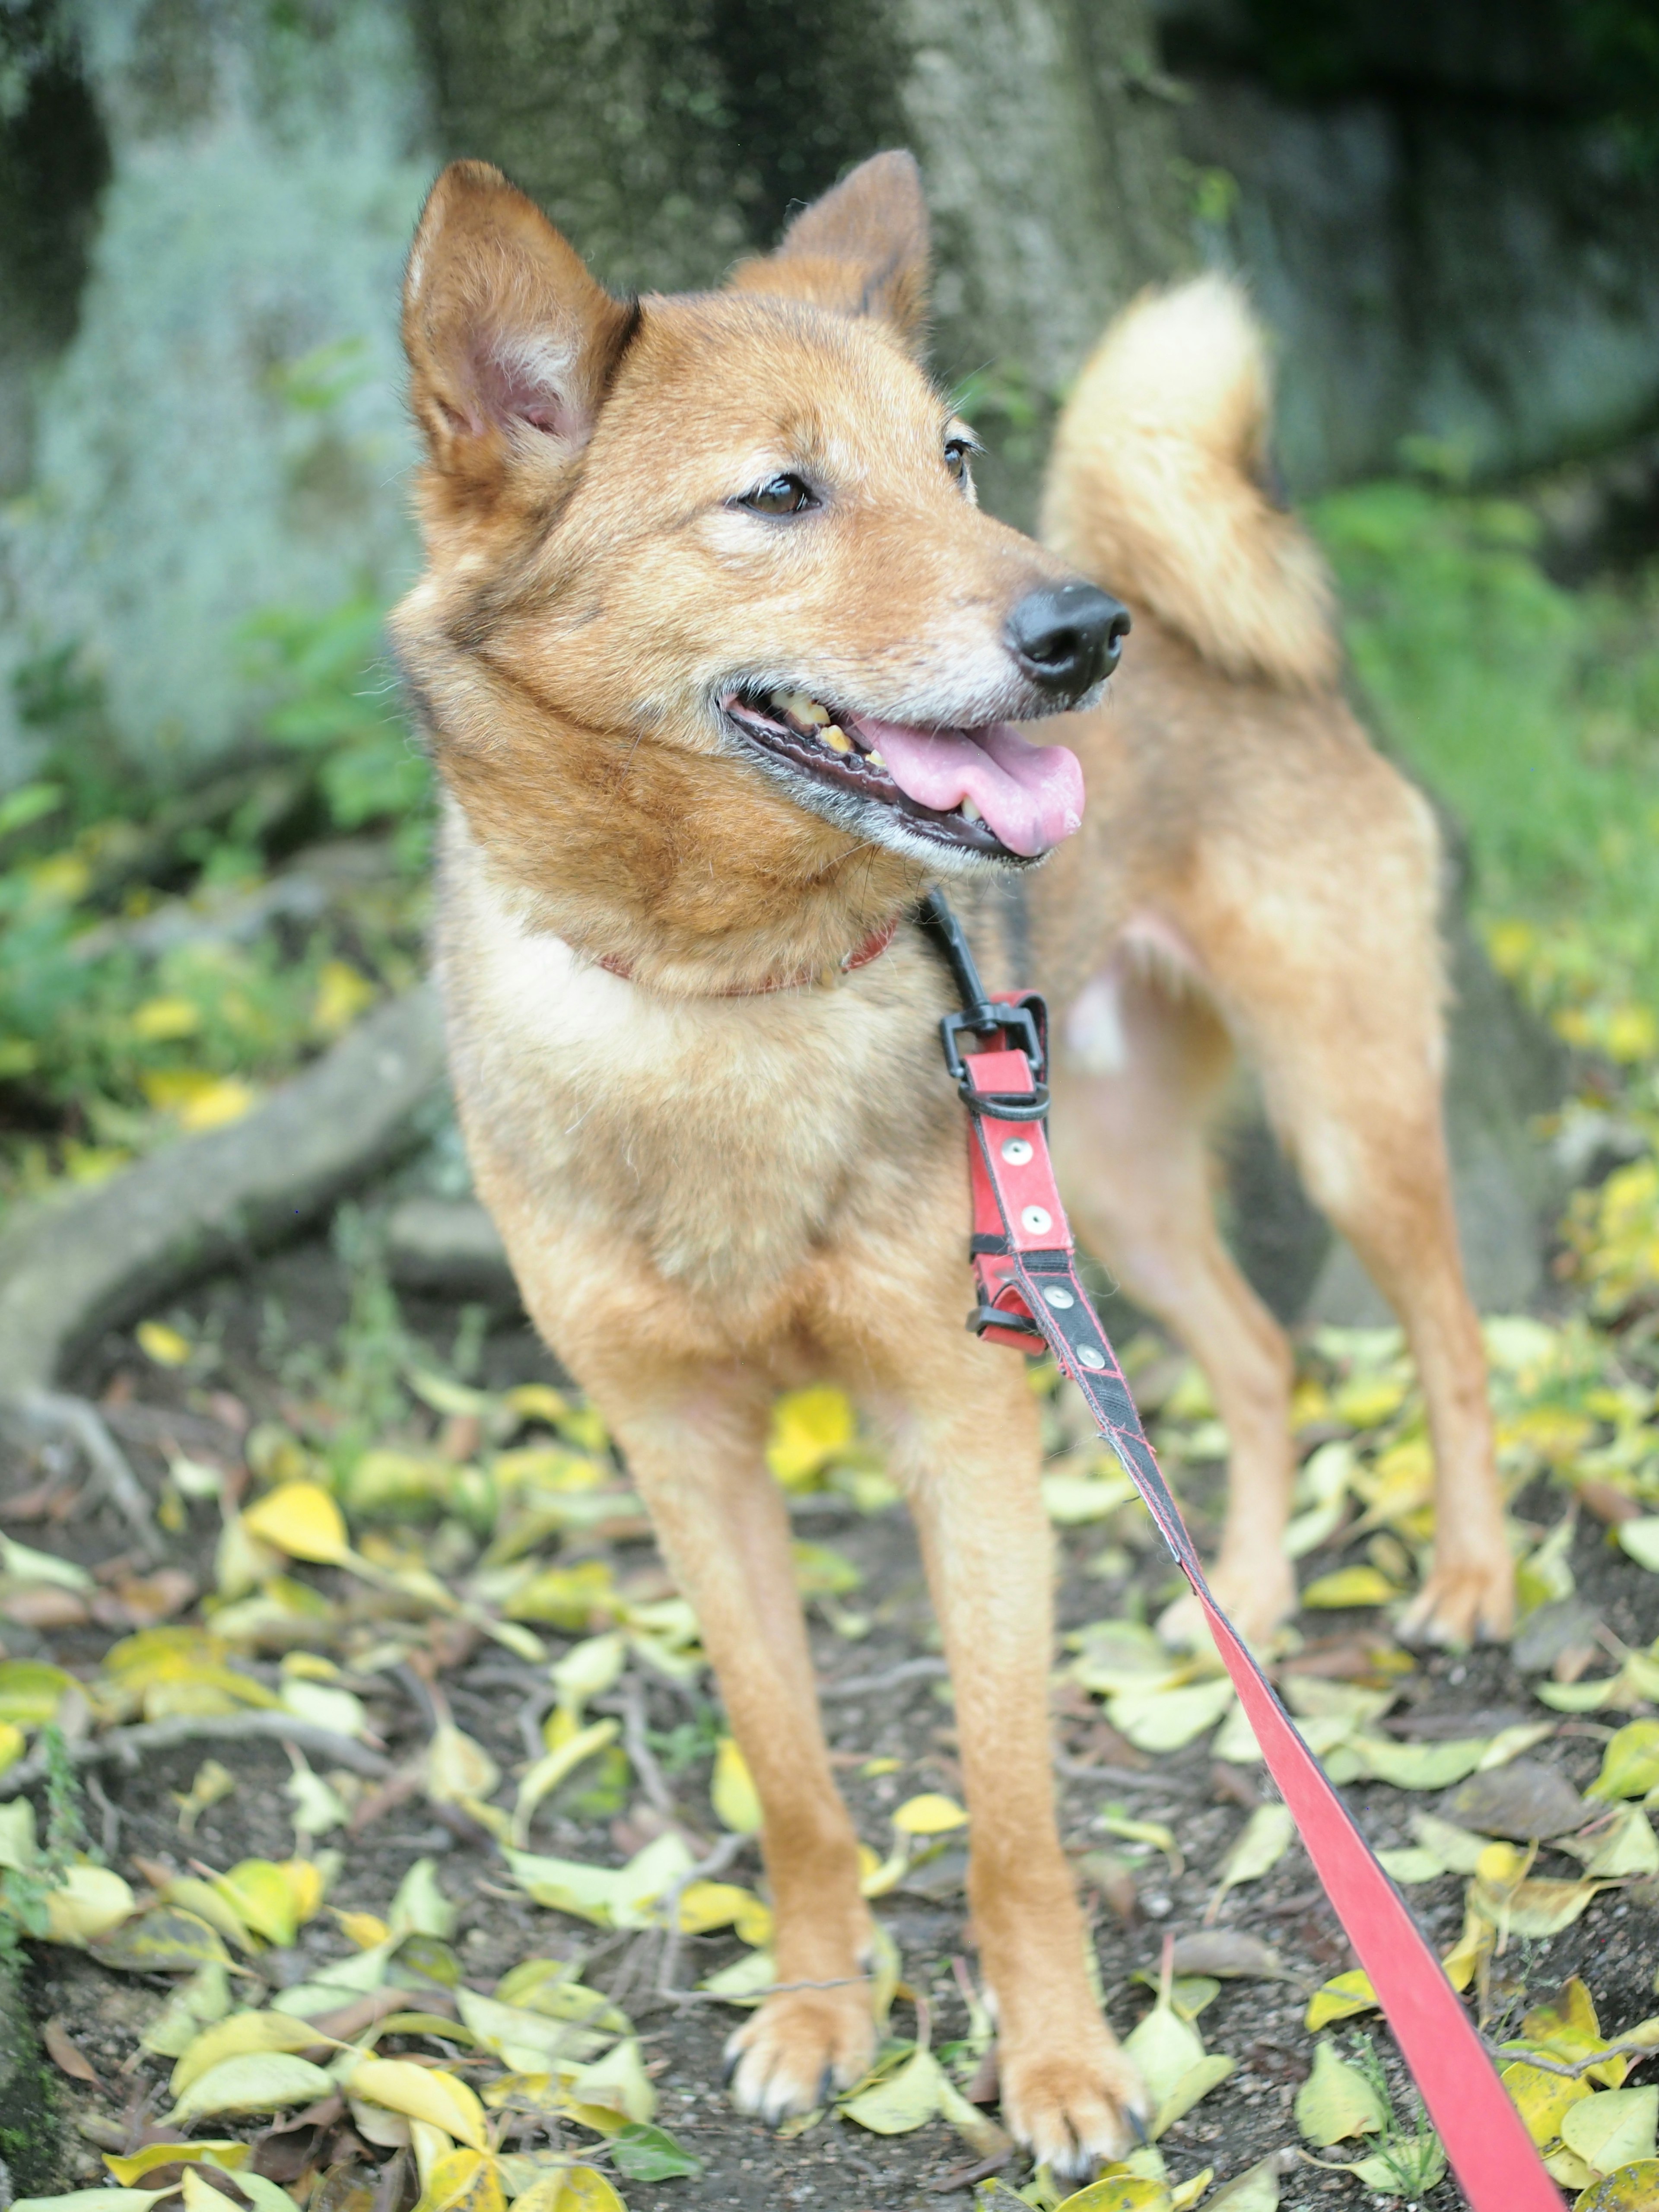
970	813
875	760
836	739
802	707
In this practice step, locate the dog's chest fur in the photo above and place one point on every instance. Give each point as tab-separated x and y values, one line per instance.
731	1142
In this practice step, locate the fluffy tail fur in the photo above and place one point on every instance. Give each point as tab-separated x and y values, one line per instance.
1155	488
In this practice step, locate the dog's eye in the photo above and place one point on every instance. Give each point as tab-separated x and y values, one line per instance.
779	495
957	451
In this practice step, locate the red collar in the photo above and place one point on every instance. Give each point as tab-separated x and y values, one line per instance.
871	949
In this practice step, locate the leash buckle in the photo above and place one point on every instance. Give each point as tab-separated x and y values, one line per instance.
1024	1025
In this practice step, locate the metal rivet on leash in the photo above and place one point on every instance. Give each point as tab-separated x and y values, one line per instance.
1088	1357
1017	1151
1035	1221
1059	1299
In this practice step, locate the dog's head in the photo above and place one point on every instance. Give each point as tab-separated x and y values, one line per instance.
739	527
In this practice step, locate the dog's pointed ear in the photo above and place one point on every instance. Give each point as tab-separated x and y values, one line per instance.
861	249
511	343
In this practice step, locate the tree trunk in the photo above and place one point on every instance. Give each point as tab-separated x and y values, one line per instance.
668	140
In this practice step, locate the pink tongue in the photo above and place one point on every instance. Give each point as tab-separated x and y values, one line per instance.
1031	796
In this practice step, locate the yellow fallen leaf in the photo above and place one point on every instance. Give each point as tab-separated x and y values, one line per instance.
424	2094
464	2180
90	1901
226	2153
258	1893
342	992
1342	1996
809	1428
578	2189
930	1814
361	1929
234	2037
1350	1586
1541	2098
732	1792
162	1021
302	1520
162	1344
218	1105
13	1743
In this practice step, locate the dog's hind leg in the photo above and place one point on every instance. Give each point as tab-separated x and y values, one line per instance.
1356	1104
694	1447
1141	1066
1324	952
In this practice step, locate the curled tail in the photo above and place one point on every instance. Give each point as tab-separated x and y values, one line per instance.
1154	488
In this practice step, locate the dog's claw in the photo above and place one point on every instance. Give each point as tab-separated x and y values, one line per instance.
1463	1602
798	2048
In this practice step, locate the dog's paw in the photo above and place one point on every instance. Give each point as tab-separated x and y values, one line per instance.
798	2045
1462	1600
1074	2100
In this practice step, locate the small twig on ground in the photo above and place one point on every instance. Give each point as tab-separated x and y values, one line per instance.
630	1703
1125	1778
531	1715
908	1670
708	1868
128	1744
1636	2049
57	1413
108	1815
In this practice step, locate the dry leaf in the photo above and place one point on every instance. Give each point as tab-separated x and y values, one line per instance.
1336	2100
1258	1848
259	2081
66	2056
424	2094
242	2032
1612	2128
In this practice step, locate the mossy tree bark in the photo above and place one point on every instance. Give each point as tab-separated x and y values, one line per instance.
667	140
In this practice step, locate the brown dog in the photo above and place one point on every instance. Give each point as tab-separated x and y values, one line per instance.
702	1089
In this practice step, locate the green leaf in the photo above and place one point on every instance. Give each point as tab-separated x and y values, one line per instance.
260	2081
1612	2128
901	2101
1336	2100
1256	2190
642	2152
1165	2048
1163	1720
1640	1539
1410	2167
1259	1845
1418	1765
1629	1765
1197	2082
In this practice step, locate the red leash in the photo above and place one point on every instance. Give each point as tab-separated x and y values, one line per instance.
1031	1292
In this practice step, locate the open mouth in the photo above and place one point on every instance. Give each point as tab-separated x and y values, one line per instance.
984	790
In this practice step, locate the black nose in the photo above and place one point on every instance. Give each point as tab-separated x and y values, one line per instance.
1068	636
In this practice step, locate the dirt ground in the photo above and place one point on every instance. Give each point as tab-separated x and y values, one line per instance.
905	1718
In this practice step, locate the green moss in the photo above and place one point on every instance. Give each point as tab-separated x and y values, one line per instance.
28	2131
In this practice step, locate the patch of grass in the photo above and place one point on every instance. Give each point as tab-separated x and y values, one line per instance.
1534	711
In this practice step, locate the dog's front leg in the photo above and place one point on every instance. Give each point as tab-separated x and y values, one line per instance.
696	1453
1068	2090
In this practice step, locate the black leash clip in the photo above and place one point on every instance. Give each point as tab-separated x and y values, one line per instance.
1024	1023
